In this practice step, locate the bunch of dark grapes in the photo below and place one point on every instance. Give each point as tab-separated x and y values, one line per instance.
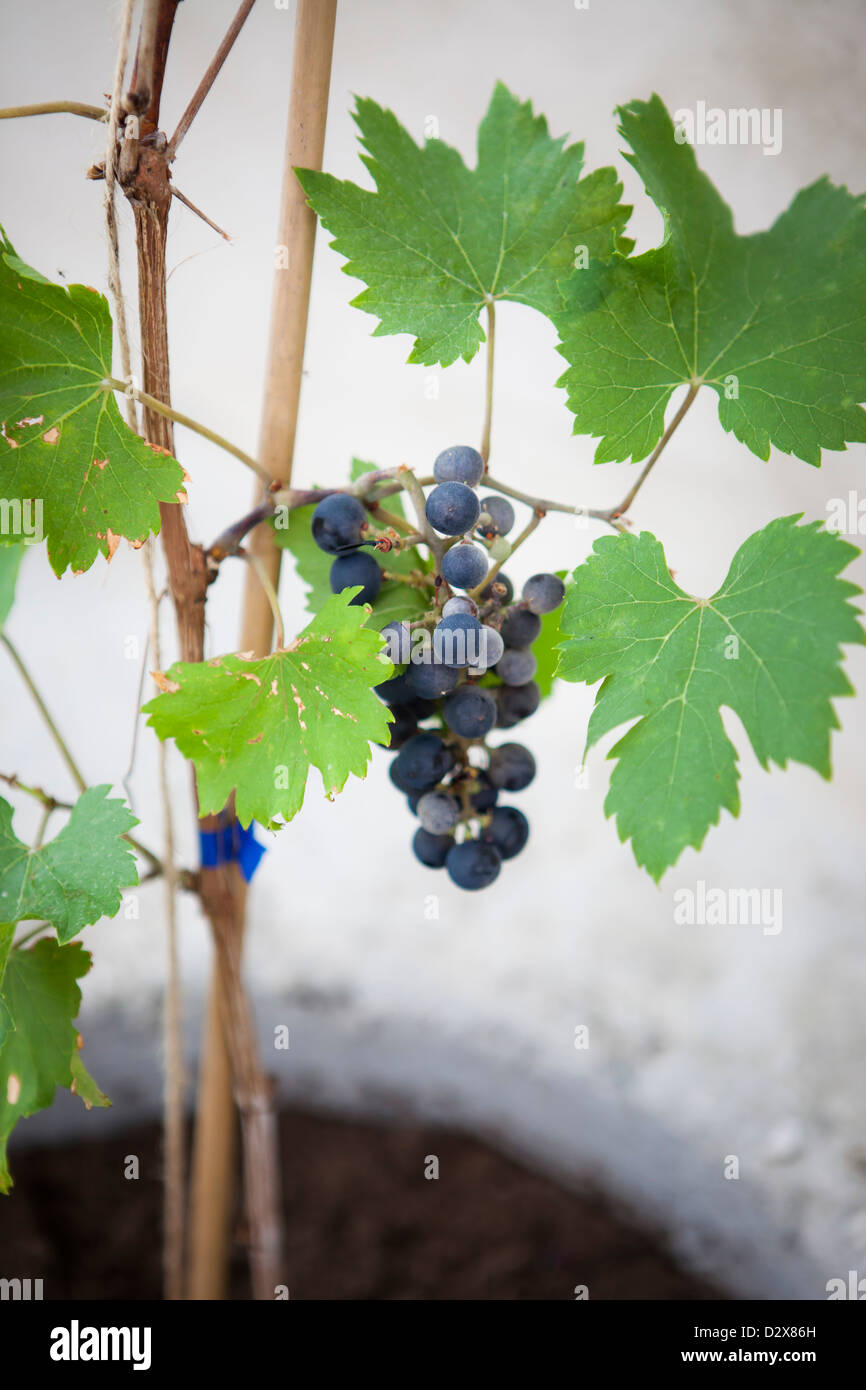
467	670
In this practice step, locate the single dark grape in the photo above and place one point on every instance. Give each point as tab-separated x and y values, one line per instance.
397	637
497	517
491	648
508	831
465	565
520	627
457	640
512	767
356	568
431	849
459	464
484	798
421	762
338	523
469	711
460	604
395	691
543	593
500	589
397	777
428	680
473	865
515	702
452	509
516	667
398	691
438	812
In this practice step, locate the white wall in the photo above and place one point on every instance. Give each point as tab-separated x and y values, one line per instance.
705	1042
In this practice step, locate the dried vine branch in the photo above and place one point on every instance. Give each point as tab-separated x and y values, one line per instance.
146	183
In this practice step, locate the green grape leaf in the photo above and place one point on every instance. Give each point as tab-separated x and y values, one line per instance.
40	1052
774	322
438	241
76	878
84	1086
7	932
255	727
765	646
77	474
10	560
395	601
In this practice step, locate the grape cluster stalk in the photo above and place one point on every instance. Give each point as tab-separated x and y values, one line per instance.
464	669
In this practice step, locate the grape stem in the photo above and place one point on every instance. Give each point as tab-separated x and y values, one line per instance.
650	464
402	478
188	203
415	579
610	515
111	383
396	523
48	108
488	390
209	78
419	502
62	747
228	541
544	504
47	812
29	935
258	565
534	521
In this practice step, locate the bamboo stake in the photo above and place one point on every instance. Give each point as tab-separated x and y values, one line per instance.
212	1175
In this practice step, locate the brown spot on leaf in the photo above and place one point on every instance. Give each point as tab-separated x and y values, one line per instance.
258	738
158	449
101	464
162	680
13	443
51	436
13	1088
30	420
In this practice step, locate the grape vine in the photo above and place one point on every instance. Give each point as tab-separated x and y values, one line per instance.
418	642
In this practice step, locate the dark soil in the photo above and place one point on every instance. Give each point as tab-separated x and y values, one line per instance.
363	1223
